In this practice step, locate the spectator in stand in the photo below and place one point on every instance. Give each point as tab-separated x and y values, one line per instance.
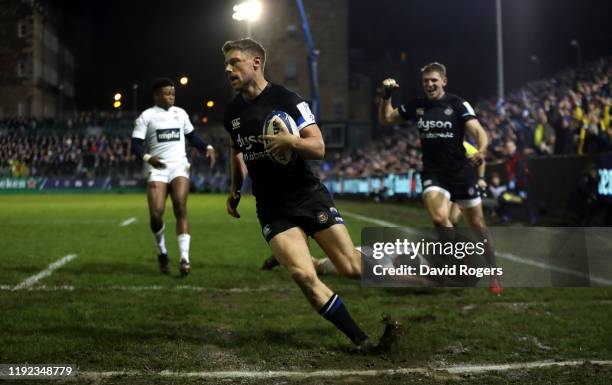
544	135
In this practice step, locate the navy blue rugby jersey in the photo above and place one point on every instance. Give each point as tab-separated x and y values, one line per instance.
244	121
441	125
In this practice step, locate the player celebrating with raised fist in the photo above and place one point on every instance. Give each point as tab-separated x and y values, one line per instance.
448	174
292	203
164	128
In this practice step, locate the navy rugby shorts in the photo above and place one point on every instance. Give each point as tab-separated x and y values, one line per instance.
314	213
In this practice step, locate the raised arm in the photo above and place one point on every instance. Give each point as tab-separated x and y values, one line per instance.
387	115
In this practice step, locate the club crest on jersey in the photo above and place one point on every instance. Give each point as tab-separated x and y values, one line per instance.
168	135
448	111
235	123
420	111
322	217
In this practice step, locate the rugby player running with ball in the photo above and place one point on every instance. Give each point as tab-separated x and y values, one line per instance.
292	204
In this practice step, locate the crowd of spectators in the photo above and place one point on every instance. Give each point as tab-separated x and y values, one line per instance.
397	152
566	114
81	155
65	155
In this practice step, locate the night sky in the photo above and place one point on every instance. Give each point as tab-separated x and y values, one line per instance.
121	43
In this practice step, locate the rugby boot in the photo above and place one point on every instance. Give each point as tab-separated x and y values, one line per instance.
164	263
184	267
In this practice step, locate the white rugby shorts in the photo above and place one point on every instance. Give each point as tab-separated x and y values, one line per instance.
172	170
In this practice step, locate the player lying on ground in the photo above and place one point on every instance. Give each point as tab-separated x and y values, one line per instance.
448	174
164	128
291	202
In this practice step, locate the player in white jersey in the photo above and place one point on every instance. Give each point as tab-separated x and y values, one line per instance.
164	129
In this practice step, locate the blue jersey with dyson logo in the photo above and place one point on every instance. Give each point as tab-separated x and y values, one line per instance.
244	121
441	125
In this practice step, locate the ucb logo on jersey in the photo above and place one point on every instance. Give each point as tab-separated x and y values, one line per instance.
168	135
427	124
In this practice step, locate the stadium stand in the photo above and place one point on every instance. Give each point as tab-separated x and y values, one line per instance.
87	145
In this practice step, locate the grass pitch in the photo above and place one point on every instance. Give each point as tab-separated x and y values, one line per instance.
109	309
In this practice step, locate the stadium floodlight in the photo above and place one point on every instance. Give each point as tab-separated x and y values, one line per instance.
118	96
248	11
184	80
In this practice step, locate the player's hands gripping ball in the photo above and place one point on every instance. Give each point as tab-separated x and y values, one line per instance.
232	204
389	86
280	134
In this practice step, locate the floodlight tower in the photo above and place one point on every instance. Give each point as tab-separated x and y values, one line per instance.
313	55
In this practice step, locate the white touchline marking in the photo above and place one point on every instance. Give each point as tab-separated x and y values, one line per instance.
47	222
128	221
514	258
463	369
40	288
379	222
37	277
452	369
503	255
153	288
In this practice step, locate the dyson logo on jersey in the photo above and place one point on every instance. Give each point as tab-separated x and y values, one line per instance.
246	142
427	124
168	135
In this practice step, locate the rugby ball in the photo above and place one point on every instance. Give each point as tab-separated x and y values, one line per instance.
270	129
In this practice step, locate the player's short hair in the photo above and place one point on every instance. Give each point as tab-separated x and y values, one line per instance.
161	83
434	67
246	45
